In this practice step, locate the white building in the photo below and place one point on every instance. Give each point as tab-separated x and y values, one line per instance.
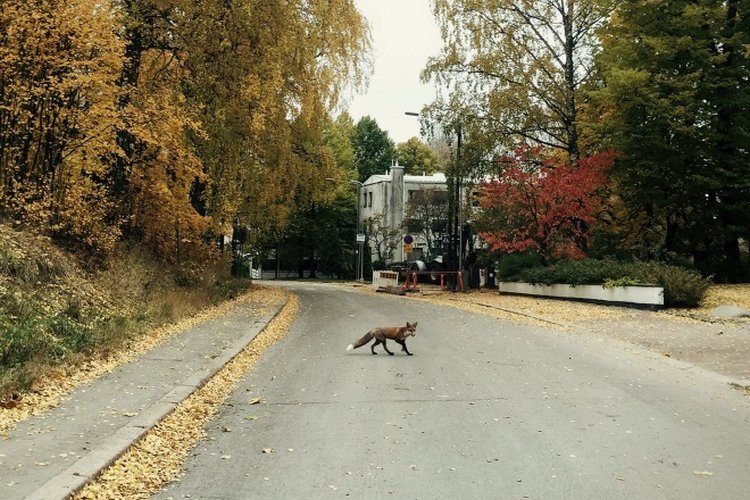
387	195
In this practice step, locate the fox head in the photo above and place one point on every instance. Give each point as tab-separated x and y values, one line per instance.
411	329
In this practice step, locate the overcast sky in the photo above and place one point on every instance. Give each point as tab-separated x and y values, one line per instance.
404	35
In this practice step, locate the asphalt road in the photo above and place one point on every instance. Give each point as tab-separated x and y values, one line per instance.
484	409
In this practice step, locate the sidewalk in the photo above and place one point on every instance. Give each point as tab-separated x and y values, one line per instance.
50	455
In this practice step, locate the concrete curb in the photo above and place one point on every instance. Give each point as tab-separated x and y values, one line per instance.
88	467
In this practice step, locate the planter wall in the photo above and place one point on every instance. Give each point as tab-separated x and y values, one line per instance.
645	295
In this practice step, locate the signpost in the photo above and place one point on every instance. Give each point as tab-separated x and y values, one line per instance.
408	244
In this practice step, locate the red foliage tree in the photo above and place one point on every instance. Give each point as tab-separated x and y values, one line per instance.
543	203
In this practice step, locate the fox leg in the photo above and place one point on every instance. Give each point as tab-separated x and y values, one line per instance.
403	347
372	347
386	348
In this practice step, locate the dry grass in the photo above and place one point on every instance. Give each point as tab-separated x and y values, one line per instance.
736	295
147	287
57	315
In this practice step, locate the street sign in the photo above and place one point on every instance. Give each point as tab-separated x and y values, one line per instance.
360	238
408	247
408	239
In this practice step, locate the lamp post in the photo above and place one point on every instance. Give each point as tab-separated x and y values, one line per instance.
458	181
360	238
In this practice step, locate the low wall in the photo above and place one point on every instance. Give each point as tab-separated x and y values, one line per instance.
648	295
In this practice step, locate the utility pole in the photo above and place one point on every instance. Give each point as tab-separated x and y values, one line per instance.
360	242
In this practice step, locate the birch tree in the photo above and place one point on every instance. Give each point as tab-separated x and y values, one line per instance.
59	64
518	66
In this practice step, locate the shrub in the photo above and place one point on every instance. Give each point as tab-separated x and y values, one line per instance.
682	287
71	335
19	342
511	266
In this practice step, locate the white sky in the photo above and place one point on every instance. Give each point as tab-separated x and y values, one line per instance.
404	35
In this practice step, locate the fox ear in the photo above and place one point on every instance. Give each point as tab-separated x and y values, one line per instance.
415	323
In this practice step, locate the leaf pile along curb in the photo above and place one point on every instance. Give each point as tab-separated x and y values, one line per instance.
157	459
49	391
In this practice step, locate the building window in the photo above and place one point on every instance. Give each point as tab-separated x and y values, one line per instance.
370	199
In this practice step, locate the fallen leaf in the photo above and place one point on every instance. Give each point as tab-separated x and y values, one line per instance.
226	457
11	401
703	473
267	450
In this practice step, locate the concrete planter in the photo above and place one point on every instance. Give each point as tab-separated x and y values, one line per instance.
643	295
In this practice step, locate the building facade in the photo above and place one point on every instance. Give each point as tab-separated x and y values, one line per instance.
385	197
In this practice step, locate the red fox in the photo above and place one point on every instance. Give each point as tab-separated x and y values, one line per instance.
395	333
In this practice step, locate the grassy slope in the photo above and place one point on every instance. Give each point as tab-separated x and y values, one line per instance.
56	310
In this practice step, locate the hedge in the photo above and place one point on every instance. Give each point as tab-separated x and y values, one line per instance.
682	287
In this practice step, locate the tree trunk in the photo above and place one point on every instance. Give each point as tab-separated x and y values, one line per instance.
570	85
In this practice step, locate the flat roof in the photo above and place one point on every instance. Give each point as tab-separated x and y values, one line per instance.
437	178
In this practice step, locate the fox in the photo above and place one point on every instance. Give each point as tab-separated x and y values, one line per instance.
381	334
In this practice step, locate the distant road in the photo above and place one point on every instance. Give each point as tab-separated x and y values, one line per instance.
484	409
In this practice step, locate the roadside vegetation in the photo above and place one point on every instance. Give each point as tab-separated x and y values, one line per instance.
57	311
682	287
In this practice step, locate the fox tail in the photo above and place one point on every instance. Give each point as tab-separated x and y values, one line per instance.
362	341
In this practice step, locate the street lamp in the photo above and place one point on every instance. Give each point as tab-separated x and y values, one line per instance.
360	236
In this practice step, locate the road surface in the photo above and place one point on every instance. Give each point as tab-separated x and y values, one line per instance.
484	409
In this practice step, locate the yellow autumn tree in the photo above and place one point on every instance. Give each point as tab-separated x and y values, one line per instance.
169	121
154	167
163	167
225	129
266	81
59	65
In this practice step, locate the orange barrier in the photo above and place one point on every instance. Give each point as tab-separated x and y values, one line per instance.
410	284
